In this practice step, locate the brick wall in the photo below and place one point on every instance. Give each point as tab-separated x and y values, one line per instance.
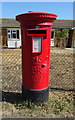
4	37
73	38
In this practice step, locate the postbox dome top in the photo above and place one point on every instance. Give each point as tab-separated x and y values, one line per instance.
37	17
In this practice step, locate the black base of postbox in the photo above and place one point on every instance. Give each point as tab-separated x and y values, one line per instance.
37	96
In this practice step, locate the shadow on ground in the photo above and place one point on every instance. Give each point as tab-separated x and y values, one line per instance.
62	89
15	98
12	97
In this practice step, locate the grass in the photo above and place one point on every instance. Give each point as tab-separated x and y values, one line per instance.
56	106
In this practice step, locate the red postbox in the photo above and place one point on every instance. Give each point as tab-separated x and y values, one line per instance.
36	35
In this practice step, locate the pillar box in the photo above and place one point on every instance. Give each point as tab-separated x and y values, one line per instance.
36	34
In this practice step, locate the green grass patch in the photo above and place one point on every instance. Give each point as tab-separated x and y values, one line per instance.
56	106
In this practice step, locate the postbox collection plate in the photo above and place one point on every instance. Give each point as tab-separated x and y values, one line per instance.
36	45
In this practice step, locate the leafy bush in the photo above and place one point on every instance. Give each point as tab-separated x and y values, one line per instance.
62	34
61	38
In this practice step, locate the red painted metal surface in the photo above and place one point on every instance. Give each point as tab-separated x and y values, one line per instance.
36	65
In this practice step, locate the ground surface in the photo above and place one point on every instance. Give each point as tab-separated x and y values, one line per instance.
60	102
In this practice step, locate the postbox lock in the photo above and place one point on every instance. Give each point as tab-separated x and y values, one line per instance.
43	65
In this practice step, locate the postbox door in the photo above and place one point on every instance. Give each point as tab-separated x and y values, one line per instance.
40	62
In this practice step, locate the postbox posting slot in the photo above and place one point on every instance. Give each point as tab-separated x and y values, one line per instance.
36	32
36	45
